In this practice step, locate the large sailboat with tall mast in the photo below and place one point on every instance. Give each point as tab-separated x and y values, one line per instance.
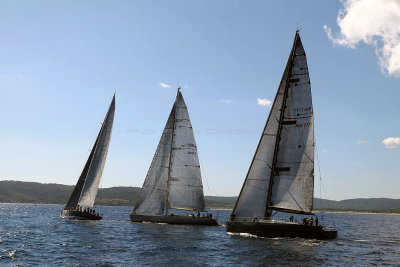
173	181
80	204
281	174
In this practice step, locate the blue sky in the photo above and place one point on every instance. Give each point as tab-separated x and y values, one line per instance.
61	61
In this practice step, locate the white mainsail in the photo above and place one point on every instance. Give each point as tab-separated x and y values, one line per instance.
185	185
293	188
174	178
87	186
281	173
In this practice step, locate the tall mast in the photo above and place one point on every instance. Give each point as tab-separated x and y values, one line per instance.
278	134
170	154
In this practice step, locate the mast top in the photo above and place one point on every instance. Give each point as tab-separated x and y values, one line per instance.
113	100
178	93
297	36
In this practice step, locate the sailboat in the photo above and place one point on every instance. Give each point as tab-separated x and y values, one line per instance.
173	181
281	174
80	204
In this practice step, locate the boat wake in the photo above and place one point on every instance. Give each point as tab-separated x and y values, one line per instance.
244	235
151	223
9	254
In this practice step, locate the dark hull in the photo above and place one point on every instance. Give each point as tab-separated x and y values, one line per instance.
272	229
175	219
79	215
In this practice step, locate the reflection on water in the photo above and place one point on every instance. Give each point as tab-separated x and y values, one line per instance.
35	234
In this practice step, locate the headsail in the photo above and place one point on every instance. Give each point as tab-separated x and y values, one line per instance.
87	186
174	178
252	199
281	173
153	196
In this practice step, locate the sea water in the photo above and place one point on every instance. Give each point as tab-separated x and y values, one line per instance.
36	235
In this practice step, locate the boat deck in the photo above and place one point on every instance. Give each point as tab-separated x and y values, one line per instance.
274	228
80	215
174	219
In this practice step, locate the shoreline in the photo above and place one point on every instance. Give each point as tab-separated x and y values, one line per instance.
224	208
359	212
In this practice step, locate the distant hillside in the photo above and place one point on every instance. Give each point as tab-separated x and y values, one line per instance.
117	196
359	204
27	192
30	192
220	202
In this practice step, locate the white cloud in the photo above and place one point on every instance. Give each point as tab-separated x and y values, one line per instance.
325	150
12	76
164	85
373	22
263	102
391	142
360	142
226	101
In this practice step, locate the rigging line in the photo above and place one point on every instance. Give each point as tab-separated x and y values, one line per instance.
312	161
295	200
321	187
100	195
330	215
204	172
319	169
274	214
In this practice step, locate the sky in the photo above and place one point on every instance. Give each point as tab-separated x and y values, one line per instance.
62	61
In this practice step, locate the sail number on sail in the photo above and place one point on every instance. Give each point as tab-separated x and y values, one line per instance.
307	109
300	125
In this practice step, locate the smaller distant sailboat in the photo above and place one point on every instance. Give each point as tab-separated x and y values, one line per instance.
80	204
281	174
173	181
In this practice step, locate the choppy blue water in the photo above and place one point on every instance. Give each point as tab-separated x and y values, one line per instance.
36	235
